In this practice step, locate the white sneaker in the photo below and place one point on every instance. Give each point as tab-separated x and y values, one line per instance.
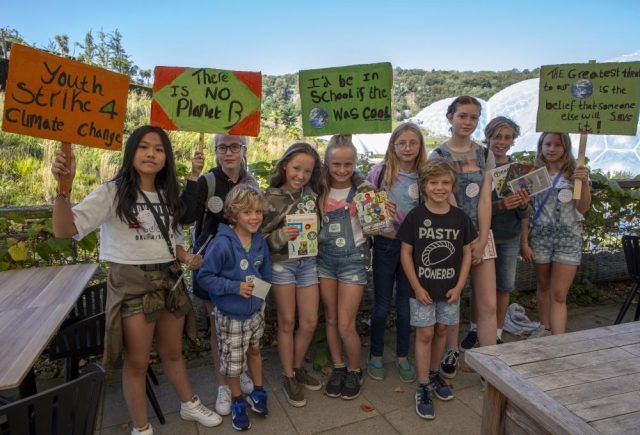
196	411
246	384
223	402
147	431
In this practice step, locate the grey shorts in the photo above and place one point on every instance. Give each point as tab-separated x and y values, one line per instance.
234	338
438	312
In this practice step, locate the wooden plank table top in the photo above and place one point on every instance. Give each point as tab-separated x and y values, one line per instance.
33	304
580	382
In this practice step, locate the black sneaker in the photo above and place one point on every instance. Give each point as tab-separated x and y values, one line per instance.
352	384
333	387
449	365
470	341
499	340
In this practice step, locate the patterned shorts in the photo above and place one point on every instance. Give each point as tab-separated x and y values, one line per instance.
562	244
234	338
438	312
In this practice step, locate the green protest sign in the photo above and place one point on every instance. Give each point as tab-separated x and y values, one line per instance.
593	98
207	100
344	100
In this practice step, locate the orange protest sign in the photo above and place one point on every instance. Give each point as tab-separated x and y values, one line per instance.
55	98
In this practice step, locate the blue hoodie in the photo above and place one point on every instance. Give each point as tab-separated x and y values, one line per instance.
221	273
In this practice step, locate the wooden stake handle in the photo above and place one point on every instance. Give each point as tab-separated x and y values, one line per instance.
201	142
64	185
577	184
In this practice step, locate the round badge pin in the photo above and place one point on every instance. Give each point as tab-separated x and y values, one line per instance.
413	191
244	264
472	190
565	196
215	204
340	242
427	223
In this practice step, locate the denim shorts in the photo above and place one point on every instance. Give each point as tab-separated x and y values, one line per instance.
506	265
562	244
302	272
346	268
438	312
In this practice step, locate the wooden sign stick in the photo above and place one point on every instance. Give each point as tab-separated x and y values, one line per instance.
201	142
65	180
582	149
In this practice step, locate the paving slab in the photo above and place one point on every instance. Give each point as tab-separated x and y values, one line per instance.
452	417
369	426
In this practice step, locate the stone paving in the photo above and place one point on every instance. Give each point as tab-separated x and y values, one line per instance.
384	407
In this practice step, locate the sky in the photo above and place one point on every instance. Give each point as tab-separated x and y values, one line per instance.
278	37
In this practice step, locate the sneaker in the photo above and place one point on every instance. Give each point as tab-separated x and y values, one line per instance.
293	392
499	340
440	387
306	380
375	369
223	402
257	400
540	332
352	384
469	342
239	415
333	387
449	365
196	411
246	384
406	371
424	404
147	431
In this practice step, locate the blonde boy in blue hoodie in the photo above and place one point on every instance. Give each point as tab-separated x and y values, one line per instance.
237	255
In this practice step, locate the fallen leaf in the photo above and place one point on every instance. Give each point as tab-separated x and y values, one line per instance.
367	408
326	371
398	390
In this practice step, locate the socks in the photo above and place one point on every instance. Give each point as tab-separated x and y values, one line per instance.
499	333
473	326
236	398
257	387
339	365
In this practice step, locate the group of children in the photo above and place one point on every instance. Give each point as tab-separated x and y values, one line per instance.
442	209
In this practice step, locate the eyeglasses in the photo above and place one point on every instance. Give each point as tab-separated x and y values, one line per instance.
234	147
407	145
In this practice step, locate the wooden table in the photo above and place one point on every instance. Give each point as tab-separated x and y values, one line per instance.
33	304
583	382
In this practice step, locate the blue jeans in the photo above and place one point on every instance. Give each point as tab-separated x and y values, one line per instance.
387	270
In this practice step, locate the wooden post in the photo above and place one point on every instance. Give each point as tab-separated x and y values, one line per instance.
493	411
201	142
65	180
582	149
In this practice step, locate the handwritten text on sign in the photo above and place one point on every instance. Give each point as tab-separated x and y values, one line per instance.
207	100
595	98
350	99
56	98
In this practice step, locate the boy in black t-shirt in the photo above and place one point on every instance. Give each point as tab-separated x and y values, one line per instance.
436	258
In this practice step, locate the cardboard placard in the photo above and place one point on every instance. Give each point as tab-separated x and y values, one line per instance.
55	98
593	98
346	100
207	100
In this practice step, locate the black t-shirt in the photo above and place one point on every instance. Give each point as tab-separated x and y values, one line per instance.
438	241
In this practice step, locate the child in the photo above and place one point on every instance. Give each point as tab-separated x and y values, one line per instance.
436	257
207	211
292	190
138	213
556	235
398	175
472	163
341	263
238	255
510	217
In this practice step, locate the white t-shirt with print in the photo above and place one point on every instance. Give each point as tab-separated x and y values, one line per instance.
119	241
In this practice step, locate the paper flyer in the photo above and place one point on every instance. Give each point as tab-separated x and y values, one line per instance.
490	248
261	288
372	213
534	182
306	244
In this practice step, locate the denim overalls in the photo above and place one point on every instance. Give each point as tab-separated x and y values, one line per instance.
468	204
337	246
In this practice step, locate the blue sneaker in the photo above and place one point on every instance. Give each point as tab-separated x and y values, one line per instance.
239	415
440	387
424	404
257	400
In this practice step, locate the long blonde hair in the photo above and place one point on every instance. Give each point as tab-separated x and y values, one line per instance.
568	161
390	161
337	141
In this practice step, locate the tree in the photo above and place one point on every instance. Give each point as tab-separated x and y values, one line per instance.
60	45
8	36
89	49
120	60
145	75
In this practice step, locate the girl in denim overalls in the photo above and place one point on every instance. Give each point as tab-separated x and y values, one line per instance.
556	235
473	163
341	263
